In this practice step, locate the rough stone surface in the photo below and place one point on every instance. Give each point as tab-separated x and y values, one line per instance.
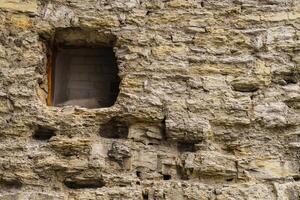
209	102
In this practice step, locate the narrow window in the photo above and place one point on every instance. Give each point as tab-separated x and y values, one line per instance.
83	74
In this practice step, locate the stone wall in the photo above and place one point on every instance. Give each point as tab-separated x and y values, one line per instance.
209	103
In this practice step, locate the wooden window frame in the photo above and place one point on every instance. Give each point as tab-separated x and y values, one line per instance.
50	73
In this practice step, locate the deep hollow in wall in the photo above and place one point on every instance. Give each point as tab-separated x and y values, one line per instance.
84	183
43	133
10	183
83	69
186	147
114	128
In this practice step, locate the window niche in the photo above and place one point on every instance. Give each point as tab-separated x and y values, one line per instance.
83	70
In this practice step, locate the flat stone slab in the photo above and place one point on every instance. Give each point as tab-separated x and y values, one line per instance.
19	5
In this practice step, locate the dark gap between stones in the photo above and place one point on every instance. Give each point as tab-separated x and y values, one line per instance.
186	147
43	134
14	183
114	129
229	179
145	196
167	177
182	173
296	178
138	174
291	79
82	184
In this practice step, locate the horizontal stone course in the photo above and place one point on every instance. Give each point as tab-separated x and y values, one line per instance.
20	5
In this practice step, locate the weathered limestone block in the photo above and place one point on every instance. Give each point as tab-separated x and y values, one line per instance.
269	169
119	152
181	125
42	196
46	196
287	191
214	83
164	52
182	4
203	69
297	60
249	191
167	165
19	5
5	105
12	196
146	133
293	101
275	114
46	165
245	84
126	4
21	21
145	160
210	163
98	151
220	41
126	193
199	192
73	146
105	21
173	190
275	17
59	14
280	35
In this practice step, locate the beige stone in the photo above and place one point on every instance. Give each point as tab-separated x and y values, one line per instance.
19	5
